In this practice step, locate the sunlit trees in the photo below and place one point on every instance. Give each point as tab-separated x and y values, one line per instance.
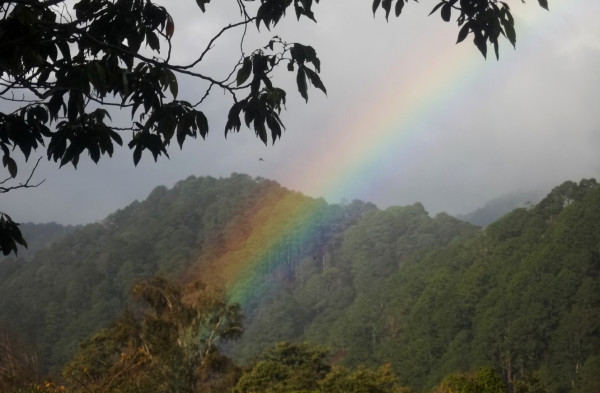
172	344
301	368
484	380
362	380
286	368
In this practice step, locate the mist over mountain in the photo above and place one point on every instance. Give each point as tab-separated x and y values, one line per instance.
498	207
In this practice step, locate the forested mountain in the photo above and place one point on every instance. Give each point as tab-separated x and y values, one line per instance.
523	295
82	282
429	296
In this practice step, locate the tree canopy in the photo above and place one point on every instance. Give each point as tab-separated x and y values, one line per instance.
432	296
64	65
171	345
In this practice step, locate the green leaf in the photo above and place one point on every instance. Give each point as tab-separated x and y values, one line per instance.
376	5
97	75
438	5
259	128
63	46
202	123
44	74
275	127
480	43
496	49
73	106
233	118
152	40
116	137
11	164
462	34
510	32
446	12
315	80
399	7
543	4
94	152
10	235
72	154
244	72
55	104
166	127
57	145
173	87
137	155
201	4
301	82
387	6
181	134
249	114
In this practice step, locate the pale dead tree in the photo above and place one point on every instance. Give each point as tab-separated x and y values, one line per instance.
18	365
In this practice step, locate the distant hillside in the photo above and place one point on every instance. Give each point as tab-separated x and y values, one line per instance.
39	236
429	295
498	207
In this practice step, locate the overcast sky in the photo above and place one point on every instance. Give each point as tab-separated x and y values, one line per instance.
409	115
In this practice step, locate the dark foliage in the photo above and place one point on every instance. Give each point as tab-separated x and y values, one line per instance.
62	66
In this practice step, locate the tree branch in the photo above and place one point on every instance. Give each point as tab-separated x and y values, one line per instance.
212	41
4	190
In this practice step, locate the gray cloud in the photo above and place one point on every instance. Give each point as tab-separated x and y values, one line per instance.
528	121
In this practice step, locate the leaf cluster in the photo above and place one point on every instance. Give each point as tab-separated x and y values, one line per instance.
270	12
61	61
486	20
64	65
10	235
263	105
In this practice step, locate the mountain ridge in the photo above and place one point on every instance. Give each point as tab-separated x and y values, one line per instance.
429	295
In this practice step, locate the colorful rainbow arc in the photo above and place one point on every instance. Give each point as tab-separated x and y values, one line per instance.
244	269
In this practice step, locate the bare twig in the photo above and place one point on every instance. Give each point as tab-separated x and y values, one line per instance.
4	189
212	41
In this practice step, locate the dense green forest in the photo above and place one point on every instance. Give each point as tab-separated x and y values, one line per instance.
353	298
523	295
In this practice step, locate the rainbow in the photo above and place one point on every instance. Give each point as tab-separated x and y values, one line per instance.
397	121
258	241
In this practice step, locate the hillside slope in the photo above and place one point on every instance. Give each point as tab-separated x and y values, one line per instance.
81	283
429	295
522	295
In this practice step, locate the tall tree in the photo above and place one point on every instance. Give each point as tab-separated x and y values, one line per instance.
171	346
